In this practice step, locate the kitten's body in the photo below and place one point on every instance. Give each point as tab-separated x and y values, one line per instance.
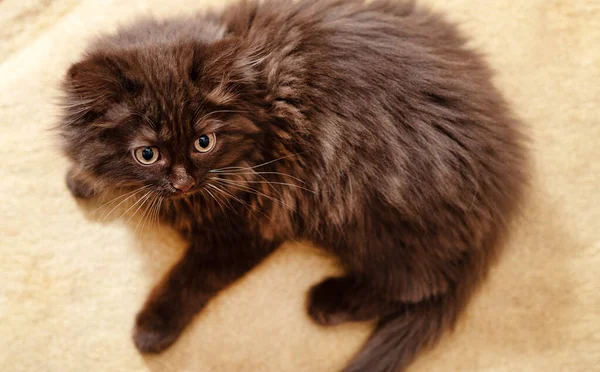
366	128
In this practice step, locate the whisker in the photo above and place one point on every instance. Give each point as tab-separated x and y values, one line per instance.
249	189
156	215
270	183
120	197
123	201
272	187
216	200
134	204
144	198
263	178
150	215
142	218
257	173
231	195
248	206
229	204
146	215
263	164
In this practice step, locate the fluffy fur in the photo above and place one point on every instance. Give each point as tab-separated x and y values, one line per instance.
368	129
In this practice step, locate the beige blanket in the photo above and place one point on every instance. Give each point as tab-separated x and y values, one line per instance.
70	285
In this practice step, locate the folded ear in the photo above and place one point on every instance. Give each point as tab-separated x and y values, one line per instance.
99	81
224	63
239	22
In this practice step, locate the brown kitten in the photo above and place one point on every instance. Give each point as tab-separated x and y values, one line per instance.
366	128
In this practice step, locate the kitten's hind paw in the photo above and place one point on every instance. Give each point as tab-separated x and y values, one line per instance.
78	187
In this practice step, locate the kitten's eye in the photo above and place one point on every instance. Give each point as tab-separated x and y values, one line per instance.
205	142
146	155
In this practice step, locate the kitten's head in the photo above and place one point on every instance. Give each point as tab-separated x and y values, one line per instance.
159	113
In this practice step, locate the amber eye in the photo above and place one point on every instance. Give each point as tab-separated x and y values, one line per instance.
205	142
146	155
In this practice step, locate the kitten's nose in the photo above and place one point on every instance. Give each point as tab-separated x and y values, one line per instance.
184	184
181	180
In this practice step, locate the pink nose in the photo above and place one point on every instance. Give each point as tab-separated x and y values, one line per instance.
180	179
184	185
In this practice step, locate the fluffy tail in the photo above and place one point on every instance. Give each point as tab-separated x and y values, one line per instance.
399	337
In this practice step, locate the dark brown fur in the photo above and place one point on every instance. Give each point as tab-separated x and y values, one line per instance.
368	129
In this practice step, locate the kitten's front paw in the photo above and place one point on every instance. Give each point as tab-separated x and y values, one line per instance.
154	331
328	303
78	188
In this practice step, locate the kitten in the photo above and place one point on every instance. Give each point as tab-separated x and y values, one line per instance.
366	128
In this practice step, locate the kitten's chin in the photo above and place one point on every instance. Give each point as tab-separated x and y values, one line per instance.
179	195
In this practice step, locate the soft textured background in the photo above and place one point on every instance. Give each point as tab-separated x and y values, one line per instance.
70	285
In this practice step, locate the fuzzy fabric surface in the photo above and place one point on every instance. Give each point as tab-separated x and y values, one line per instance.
71	281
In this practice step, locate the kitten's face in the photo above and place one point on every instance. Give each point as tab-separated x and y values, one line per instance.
156	118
